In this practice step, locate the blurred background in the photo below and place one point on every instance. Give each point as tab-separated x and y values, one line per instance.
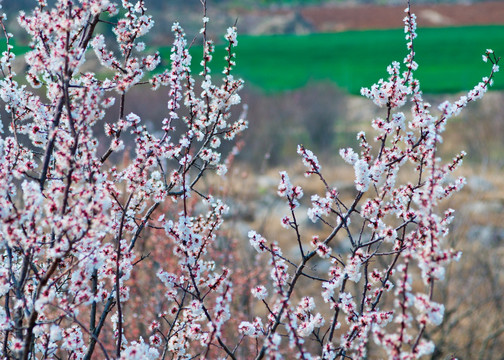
304	62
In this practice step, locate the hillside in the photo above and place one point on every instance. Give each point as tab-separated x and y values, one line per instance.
296	16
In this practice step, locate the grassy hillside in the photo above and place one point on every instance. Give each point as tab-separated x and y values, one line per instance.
449	58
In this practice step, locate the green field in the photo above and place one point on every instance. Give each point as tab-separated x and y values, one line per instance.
449	58
18	49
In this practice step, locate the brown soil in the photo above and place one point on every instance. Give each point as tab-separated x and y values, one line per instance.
340	18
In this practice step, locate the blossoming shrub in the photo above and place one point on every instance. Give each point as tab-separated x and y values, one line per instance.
75	226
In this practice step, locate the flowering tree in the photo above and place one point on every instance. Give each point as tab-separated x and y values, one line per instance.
72	221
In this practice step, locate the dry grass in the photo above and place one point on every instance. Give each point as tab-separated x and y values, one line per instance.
472	291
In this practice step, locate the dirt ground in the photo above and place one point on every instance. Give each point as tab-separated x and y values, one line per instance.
339	18
333	18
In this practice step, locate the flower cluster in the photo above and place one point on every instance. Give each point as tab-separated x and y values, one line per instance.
392	231
73	225
77	228
286	189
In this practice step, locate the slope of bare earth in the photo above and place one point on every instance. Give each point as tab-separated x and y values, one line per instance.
380	17
331	18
